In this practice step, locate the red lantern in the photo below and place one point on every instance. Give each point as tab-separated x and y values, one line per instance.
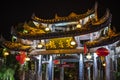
102	52
18	57
21	57
56	62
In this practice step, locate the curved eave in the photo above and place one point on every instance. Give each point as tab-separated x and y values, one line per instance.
88	28
64	19
118	44
15	46
103	41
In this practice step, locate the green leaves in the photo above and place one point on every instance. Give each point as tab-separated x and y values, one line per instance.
7	73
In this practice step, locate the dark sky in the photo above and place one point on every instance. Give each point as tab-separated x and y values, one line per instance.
15	12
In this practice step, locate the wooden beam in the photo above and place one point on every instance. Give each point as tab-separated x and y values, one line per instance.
59	51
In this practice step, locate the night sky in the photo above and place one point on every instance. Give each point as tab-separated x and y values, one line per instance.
15	12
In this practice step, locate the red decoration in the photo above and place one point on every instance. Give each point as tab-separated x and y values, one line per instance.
56	62
18	57
102	52
85	49
21	57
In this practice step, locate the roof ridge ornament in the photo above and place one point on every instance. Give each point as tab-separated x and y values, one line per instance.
12	30
2	38
96	12
56	16
72	14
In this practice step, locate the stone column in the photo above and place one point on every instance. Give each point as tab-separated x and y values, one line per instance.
95	67
107	67
89	72
81	67
39	72
62	72
50	65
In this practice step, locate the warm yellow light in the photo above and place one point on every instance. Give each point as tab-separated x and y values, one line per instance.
104	64
27	59
6	53
39	46
78	26
47	29
25	31
73	43
88	56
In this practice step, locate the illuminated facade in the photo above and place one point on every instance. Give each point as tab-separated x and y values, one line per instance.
57	44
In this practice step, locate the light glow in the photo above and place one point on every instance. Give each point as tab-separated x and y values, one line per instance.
88	56
39	46
104	64
47	29
27	59
78	26
73	43
6	53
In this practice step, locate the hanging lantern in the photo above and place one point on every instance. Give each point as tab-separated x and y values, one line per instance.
89	56
21	57
27	59
18	57
73	43
47	29
102	52
56	61
6	53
